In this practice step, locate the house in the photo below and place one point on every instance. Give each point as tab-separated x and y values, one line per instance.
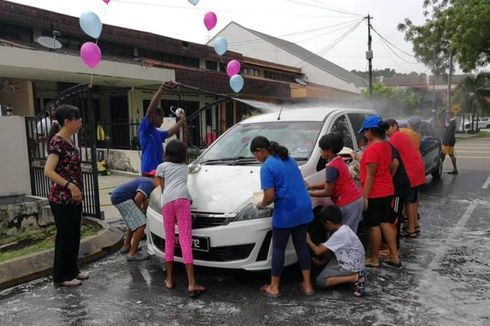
322	78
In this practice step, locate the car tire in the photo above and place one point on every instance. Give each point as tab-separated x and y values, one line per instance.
437	172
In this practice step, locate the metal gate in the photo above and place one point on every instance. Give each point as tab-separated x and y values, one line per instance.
37	129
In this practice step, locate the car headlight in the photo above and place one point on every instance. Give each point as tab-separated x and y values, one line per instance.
250	212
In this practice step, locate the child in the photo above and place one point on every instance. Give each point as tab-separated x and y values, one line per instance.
338	184
176	208
348	264
131	199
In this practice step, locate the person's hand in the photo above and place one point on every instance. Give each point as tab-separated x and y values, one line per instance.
76	194
308	238
259	205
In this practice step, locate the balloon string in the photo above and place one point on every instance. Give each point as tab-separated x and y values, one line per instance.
91	83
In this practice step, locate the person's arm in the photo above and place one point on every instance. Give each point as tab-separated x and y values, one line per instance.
176	127
394	166
139	200
50	172
269	195
325	192
161	182
155	100
319	186
370	173
317	250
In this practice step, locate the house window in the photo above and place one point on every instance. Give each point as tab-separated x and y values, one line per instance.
251	72
211	65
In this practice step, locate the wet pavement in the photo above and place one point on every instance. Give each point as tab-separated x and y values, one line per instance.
445	278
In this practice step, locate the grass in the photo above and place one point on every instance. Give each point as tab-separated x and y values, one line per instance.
39	240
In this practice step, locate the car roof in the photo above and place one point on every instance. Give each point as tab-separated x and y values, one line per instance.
302	114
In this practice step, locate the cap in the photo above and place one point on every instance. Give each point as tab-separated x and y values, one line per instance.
371	122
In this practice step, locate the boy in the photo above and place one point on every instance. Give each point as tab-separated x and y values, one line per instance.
131	199
348	264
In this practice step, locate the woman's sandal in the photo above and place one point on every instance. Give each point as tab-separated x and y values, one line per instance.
369	263
407	234
269	294
361	284
417	230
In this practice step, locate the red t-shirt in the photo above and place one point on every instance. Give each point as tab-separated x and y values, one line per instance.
379	154
411	158
344	190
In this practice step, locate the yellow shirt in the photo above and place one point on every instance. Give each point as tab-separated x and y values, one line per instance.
413	135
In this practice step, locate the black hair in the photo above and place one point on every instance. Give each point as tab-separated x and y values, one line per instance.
260	142
331	141
330	213
361	139
62	113
378	132
175	152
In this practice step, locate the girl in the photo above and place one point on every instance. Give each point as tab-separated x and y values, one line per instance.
377	189
176	209
283	185
339	185
63	168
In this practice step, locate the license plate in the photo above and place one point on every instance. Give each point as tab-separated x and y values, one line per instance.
198	243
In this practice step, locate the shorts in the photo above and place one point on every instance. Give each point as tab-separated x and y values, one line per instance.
131	214
331	270
398	205
379	211
413	195
447	150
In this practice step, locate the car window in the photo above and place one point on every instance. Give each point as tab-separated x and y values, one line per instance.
299	137
356	120
340	126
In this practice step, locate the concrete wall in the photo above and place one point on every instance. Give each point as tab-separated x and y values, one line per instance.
14	161
242	41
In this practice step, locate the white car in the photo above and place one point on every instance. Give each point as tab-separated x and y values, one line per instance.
228	231
482	123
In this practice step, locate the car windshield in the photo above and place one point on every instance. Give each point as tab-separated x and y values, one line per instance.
234	147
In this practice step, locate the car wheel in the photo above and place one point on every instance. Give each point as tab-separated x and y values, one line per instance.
437	172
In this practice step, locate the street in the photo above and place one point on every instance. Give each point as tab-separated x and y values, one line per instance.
444	280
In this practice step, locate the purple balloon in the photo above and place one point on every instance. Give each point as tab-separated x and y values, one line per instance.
210	20
90	54
233	67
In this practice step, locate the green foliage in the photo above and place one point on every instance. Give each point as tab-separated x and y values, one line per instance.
460	27
393	99
470	94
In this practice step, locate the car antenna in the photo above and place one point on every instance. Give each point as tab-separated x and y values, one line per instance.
280	111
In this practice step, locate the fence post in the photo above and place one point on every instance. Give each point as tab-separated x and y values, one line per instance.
93	150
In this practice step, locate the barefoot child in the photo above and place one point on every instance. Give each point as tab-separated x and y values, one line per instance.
176	209
348	264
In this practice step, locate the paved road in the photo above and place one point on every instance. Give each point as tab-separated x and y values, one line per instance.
445	279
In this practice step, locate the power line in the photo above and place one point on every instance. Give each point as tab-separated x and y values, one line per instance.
387	45
319	5
393	45
329	47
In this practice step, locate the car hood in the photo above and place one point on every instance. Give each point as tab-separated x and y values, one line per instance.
223	189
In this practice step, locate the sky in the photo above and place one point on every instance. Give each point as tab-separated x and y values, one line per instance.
325	27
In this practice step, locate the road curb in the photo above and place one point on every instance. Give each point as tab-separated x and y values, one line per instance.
40	264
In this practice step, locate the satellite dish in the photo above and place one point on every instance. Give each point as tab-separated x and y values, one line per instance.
301	81
50	42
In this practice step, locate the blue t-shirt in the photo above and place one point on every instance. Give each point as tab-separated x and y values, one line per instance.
292	204
129	189
151	140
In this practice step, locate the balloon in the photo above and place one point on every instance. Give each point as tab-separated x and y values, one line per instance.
106	1
220	45
192	2
90	54
91	24
210	20
236	83
233	67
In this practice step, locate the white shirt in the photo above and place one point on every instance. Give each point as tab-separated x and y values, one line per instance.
43	127
348	249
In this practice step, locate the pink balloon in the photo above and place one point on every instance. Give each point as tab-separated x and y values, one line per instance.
90	54
210	20
233	67
106	1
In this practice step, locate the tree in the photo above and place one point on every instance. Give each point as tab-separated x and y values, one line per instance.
393	101
471	95
452	27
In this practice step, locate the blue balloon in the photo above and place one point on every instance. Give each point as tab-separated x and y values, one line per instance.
236	83
220	45
91	24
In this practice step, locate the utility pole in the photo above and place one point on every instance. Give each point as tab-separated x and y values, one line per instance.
449	80
369	55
